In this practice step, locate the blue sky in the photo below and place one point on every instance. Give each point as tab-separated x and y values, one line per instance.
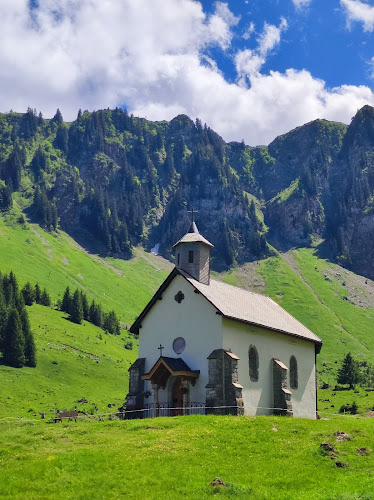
250	69
317	38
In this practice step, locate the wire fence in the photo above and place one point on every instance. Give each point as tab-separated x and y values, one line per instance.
166	410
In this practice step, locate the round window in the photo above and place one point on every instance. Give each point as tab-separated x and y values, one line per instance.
179	345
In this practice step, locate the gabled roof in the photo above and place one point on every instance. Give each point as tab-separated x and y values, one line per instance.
239	305
165	366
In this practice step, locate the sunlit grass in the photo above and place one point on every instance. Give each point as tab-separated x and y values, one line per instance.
259	458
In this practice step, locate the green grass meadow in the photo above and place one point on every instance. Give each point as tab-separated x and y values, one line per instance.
73	362
172	458
55	261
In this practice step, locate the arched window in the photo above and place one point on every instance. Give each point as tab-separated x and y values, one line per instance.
253	363
190	256
294	379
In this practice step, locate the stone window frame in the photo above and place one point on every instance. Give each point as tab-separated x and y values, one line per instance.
294	374
253	363
190	256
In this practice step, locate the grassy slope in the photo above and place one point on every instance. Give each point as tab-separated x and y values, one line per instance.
297	282
169	458
55	262
74	362
311	289
300	287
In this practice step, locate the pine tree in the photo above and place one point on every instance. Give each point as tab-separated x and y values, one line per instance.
58	117
37	293
111	323
66	301
3	314
76	313
14	341
349	372
45	299
96	314
30	349
28	294
6	200
61	141
85	306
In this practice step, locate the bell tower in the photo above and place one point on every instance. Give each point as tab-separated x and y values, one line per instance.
192	254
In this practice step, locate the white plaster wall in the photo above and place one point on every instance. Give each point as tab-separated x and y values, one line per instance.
258	396
195	320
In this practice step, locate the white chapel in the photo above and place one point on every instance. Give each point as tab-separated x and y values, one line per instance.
209	347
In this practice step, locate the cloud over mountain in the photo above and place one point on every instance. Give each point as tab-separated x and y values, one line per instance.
155	58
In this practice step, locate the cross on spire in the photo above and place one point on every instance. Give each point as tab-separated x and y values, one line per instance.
192	212
160	349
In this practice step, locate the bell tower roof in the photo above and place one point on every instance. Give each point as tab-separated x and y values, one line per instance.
193	254
193	236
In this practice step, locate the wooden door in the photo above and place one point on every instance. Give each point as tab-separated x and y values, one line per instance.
177	397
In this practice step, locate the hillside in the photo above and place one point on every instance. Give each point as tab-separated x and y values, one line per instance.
335	303
74	361
257	458
56	261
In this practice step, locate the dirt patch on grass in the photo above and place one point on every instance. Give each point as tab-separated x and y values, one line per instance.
96	257
43	240
360	290
248	277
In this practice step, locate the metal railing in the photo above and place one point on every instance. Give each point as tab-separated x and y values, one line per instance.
169	409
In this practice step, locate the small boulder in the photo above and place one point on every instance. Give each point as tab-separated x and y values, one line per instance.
341	465
217	481
342	436
363	451
327	447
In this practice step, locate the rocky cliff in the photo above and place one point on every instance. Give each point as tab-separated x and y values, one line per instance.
114	181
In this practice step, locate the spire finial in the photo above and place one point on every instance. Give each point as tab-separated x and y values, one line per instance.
193	227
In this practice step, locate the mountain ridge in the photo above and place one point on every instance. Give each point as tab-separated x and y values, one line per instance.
114	181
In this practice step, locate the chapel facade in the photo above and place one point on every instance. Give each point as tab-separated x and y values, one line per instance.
208	347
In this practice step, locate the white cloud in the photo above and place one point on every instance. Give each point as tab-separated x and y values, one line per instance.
251	29
249	62
151	56
301	3
357	10
371	64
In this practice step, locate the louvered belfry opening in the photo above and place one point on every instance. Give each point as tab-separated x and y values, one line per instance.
193	255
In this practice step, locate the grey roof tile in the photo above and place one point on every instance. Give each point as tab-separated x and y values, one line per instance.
250	307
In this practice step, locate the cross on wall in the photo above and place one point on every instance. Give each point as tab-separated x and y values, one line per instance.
160	349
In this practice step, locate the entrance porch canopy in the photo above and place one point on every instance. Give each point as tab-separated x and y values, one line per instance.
164	367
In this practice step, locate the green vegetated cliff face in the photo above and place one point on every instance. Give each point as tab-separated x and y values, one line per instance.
114	181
